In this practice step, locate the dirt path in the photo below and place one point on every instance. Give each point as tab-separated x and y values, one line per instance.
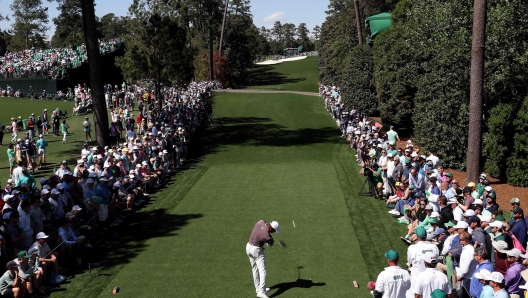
266	91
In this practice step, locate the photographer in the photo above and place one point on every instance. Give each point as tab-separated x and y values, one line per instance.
377	180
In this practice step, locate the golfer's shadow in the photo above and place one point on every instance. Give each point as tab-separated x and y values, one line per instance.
299	283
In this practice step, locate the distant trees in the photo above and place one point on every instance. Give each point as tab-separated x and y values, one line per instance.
287	35
421	76
30	24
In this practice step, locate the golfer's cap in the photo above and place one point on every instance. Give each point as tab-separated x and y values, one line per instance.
514	200
69	215
60	186
461	225
482	274
485	218
471	184
496	277
55	191
469	213
500	246
41	235
496	224
483	176
517	210
76	208
23	255
449	224
392	255
420	232
11	264
430	258
275	226
44	192
440	231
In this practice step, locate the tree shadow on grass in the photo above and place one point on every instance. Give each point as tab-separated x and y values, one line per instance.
262	75
136	231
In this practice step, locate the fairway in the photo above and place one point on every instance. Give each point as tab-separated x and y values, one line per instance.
287	76
267	156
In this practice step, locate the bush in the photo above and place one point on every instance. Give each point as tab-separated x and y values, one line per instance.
498	141
518	161
358	87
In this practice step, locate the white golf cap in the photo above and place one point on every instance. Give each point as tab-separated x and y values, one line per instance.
500	246
430	257
514	252
55	191
478	202
7	197
275	226
488	188
496	224
44	192
485	218
76	208
41	235
434	214
482	274
461	225
496	277
469	213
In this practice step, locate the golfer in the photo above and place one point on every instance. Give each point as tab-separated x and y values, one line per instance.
261	234
393	282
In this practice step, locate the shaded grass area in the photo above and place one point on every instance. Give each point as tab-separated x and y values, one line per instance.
300	75
273	157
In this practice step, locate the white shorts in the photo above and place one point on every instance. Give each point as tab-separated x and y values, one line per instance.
103	212
42	152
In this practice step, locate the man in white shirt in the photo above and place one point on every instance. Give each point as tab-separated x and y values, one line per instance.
416	251
458	213
393	282
467	264
431	279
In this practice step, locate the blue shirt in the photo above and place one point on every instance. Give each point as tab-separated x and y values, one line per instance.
104	193
519	230
487	292
476	286
42	144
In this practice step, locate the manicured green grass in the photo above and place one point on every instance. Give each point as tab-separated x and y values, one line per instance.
301	75
273	157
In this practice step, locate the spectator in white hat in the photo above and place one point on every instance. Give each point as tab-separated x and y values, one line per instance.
431	279
496	281
487	290
513	278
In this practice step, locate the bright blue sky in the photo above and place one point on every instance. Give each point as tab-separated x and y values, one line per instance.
265	12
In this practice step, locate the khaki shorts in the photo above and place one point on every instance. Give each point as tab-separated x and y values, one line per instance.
103	212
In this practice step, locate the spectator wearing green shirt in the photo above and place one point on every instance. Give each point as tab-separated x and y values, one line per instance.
64	130
41	147
377	181
11	158
392	135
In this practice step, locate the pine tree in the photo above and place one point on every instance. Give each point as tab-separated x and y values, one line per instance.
29	27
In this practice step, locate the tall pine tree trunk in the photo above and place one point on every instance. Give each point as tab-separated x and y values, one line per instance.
102	132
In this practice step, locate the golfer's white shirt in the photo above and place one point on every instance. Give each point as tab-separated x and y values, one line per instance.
430	280
415	253
393	282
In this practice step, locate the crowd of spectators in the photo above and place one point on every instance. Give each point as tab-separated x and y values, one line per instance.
53	62
51	224
460	242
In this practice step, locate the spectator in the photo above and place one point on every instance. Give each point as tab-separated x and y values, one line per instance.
393	281
481	256
431	279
